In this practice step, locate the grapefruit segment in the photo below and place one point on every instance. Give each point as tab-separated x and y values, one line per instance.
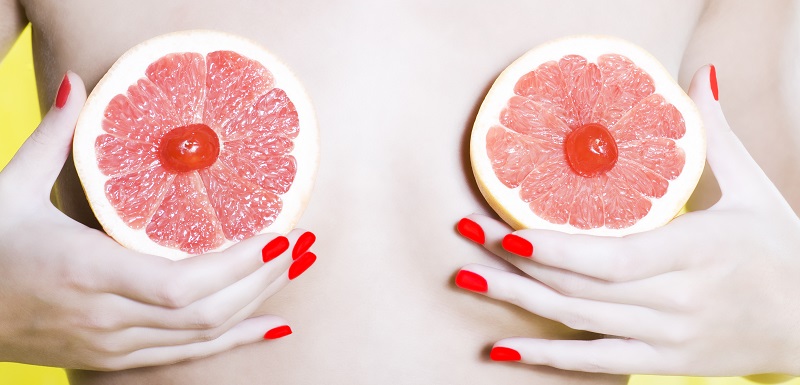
624	85
587	210
514	156
623	206
533	119
185	219
137	195
182	77
583	81
652	117
276	173
271	115
233	82
546	87
194	141
587	135
142	114
242	208
658	154
117	156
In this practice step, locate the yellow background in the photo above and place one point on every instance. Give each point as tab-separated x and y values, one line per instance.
19	115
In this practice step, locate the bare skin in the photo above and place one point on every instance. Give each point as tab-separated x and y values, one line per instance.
396	86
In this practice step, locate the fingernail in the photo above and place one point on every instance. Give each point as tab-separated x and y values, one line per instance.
303	243
278	332
274	248
518	245
471	230
713	76
500	353
301	264
471	281
63	92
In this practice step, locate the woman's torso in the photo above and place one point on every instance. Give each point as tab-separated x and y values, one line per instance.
395	85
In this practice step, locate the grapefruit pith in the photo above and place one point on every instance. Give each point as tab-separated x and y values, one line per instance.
193	141
587	135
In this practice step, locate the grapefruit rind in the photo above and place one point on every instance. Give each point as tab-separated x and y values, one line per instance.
507	202
129	68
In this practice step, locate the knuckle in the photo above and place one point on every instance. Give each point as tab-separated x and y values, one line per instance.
576	320
106	346
570	286
173	293
594	365
680	334
207	318
209	334
621	268
96	320
105	364
683	299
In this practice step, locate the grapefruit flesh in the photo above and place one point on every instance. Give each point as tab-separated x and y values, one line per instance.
198	152
587	145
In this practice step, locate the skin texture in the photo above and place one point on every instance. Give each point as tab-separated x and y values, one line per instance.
396	88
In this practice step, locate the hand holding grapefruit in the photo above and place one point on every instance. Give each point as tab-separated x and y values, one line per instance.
704	295
196	140
80	300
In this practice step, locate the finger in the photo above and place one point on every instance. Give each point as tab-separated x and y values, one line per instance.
576	313
248	331
610	259
736	172
223	308
39	160
174	331
177	284
607	355
647	292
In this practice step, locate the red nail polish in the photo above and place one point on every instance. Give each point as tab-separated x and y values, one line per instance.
471	230
303	243
713	78
278	332
518	245
471	281
500	353
301	264
274	248
63	93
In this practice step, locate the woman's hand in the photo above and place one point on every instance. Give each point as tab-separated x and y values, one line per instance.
714	292
72	297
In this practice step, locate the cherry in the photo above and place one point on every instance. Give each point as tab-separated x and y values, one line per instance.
189	148
591	150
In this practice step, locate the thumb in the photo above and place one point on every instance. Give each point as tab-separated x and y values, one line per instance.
38	162
740	178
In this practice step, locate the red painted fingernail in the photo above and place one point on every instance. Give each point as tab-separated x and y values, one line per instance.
301	264
713	76
471	281
278	332
471	230
504	354
274	248
63	93
303	243
518	245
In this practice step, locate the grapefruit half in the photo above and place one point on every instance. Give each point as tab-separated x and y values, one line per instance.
587	135
193	141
